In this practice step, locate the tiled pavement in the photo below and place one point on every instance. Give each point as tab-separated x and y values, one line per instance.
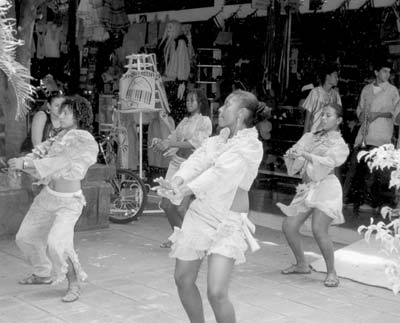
131	280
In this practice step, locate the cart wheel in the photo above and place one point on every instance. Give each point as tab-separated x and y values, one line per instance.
128	198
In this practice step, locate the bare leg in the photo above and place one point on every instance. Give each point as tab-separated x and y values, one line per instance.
74	289
290	227
320	228
219	273
171	211
174	218
185	278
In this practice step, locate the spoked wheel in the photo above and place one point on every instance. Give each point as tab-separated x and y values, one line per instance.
128	198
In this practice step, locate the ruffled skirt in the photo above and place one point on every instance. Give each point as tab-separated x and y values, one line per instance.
202	235
325	195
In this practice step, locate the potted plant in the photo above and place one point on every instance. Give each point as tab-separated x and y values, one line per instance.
388	234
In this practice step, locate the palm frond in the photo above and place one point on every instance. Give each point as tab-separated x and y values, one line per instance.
17	74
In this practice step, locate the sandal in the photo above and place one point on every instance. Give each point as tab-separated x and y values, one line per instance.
331	282
294	270
35	280
166	244
72	295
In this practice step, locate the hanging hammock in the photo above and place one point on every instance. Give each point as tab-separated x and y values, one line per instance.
17	74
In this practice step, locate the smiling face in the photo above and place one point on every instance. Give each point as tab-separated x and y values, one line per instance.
67	119
329	119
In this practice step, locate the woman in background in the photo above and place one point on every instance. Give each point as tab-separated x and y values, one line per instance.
188	136
45	123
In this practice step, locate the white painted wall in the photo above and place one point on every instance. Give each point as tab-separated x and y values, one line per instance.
200	14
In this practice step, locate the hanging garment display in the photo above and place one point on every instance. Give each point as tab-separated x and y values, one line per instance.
92	28
52	40
134	39
176	52
113	16
41	34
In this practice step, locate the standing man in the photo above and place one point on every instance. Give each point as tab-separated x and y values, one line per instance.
320	97
378	111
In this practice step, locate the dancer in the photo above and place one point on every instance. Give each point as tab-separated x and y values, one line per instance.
315	157
189	135
60	163
219	174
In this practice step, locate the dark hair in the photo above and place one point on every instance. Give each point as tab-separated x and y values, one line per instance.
382	63
204	107
326	70
81	110
337	107
258	110
55	95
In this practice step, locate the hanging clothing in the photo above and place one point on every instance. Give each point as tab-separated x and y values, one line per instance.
113	16
41	34
134	39
92	28
52	40
178	62
321	188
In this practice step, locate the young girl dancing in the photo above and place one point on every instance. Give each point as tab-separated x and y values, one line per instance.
219	174
315	157
188	136
61	163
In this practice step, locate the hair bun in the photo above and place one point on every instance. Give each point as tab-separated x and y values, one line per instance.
262	112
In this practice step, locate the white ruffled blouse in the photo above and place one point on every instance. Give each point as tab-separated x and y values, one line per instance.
68	157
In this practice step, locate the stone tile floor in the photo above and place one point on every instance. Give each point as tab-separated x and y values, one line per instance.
131	280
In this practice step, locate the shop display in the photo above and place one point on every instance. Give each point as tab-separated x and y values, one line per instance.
209	73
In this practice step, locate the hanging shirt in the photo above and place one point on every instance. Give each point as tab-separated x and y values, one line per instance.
316	100
52	41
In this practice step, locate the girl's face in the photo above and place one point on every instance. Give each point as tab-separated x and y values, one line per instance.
192	105
329	119
67	120
54	106
229	112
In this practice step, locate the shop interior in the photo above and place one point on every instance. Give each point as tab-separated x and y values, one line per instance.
272	48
